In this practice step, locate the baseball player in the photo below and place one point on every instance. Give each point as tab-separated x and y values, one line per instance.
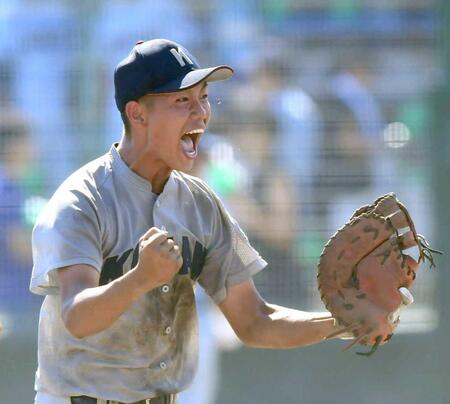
124	240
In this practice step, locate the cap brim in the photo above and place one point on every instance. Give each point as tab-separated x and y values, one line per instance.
194	77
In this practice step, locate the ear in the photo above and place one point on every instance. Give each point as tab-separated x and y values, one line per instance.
135	113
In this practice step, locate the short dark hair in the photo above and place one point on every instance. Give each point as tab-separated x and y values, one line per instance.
126	122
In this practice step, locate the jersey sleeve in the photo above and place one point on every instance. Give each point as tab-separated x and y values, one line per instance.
67	232
230	257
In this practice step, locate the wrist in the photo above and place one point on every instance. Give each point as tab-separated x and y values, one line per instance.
138	284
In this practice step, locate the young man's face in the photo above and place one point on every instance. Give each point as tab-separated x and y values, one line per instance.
176	122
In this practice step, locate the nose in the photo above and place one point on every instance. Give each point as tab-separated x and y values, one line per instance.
201	109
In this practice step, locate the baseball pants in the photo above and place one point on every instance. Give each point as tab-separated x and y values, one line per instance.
45	398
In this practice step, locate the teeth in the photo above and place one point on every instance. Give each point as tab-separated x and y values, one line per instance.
195	132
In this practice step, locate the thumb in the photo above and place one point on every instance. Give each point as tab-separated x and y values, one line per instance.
407	297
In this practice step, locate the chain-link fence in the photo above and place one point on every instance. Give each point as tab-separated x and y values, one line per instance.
333	103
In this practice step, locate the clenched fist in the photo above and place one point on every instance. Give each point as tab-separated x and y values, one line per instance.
159	259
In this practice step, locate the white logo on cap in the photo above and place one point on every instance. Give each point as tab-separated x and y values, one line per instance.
181	57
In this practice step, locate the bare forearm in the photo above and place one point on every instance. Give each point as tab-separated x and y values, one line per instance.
88	308
281	327
95	309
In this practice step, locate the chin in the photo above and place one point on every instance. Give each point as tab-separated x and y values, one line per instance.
186	170
185	167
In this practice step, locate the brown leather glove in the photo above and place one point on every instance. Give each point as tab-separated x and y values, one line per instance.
364	273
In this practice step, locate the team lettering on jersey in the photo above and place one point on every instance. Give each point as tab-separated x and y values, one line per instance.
114	267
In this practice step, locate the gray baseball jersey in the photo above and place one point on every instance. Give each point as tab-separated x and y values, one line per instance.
96	217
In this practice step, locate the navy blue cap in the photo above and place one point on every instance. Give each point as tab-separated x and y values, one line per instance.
160	66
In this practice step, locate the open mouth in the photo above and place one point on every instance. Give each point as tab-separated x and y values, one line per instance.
189	142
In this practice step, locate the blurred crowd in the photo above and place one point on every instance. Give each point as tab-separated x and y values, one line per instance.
327	110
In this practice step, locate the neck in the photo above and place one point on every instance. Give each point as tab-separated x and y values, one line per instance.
136	158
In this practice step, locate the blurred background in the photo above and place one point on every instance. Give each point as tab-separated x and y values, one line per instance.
334	102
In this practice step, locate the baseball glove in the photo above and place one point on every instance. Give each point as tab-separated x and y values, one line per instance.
364	273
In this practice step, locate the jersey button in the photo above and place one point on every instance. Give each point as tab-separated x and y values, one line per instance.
165	288
167	330
162	365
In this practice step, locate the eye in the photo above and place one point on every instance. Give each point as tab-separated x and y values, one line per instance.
182	99
204	97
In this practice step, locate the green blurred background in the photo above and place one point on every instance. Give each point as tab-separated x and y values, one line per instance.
334	102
